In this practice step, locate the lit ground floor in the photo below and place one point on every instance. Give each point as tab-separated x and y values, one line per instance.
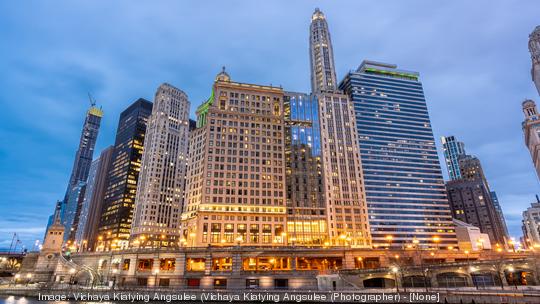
284	268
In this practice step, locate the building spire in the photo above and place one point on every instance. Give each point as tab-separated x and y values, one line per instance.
323	73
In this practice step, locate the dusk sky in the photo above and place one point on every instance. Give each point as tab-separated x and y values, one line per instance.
472	57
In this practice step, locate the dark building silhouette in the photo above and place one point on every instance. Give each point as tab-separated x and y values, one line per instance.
471	200
117	210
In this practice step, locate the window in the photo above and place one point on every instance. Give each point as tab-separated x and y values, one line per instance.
281	283
252	283
193	283
220	284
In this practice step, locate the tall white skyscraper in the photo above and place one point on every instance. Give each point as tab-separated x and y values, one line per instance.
323	72
160	190
343	185
534	49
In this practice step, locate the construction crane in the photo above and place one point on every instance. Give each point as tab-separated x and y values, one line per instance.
92	100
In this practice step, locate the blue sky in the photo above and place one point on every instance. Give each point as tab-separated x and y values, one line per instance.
472	57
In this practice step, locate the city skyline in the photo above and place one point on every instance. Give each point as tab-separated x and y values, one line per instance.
68	111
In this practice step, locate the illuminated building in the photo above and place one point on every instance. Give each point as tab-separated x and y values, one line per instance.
531	225
343	186
116	214
160	188
306	206
235	191
402	175
471	201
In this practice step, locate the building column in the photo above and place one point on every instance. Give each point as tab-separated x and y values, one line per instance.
208	263
155	267
348	260
236	263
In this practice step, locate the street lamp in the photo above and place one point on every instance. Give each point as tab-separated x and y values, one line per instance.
155	272
395	271
28	278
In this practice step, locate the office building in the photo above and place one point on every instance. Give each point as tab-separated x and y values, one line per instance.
85	152
70	211
498	208
306	206
343	187
531	225
452	149
236	174
403	181
116	215
531	132
471	200
160	188
534	49
90	212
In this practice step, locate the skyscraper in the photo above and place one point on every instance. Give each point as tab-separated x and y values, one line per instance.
71	208
236	174
160	188
498	208
534	49
306	206
471	200
531	224
403	180
344	190
90	213
85	152
116	214
323	72
452	149
531	131
79	173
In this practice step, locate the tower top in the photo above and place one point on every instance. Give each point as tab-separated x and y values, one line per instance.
223	76
529	109
317	14
534	45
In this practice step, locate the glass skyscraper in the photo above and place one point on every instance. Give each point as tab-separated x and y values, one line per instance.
402	176
306	208
452	149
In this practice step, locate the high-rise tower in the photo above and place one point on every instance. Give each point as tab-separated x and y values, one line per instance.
116	218
531	131
534	49
87	143
453	150
402	175
160	189
323	72
343	186
236	174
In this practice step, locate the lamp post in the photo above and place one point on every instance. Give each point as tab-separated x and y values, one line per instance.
395	271
512	271
155	272
28	278
114	278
